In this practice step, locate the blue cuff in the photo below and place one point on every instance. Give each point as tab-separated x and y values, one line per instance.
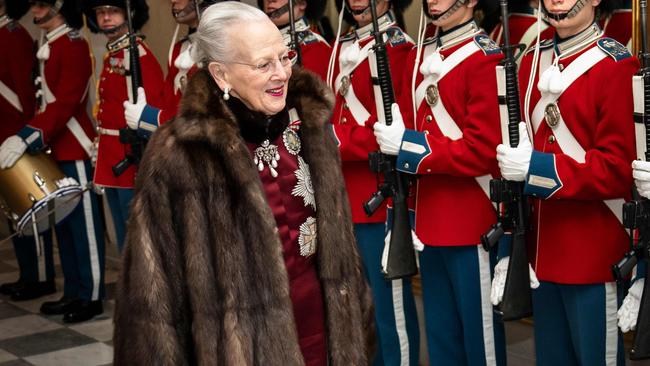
149	121
543	180
413	150
504	246
33	137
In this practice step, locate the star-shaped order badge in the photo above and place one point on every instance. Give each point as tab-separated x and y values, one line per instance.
307	239
303	186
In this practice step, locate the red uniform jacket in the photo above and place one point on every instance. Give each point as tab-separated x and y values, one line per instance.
619	26
112	92
16	74
64	84
576	238
355	137
314	49
523	29
451	207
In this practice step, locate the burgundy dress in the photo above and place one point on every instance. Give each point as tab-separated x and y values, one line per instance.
275	147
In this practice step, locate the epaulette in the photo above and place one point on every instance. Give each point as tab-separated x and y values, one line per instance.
74	35
12	26
308	37
614	49
396	36
488	46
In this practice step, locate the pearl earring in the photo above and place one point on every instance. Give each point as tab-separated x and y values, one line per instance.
226	93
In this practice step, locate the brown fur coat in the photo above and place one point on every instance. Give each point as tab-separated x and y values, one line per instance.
203	280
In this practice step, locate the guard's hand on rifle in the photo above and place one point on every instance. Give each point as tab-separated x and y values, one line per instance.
389	138
417	245
514	161
629	310
499	280
641	174
133	112
11	150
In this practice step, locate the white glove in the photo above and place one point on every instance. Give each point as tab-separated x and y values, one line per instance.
629	310
133	112
641	174
499	280
417	245
11	150
514	161
389	138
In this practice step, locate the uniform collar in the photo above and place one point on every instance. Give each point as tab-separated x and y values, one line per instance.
385	21
4	20
118	44
301	25
578	42
457	34
56	33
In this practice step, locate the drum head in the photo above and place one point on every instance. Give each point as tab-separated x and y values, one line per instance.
59	204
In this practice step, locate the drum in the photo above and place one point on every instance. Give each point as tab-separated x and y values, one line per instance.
35	190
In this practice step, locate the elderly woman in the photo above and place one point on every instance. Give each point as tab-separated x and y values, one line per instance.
240	250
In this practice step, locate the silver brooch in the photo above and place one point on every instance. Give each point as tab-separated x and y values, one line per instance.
267	153
291	141
303	186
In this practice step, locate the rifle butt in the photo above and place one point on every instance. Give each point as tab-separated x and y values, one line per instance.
517	295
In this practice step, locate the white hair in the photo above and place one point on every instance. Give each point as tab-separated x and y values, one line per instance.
213	33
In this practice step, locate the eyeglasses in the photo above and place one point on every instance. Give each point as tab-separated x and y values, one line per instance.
265	66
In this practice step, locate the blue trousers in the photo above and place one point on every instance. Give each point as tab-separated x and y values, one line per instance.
577	325
31	267
119	200
81	240
461	326
395	313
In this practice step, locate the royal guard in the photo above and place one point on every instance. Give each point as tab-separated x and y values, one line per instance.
354	115
17	106
618	24
447	138
576	169
180	67
109	18
314	49
62	124
522	20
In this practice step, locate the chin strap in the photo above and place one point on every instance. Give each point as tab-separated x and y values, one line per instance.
54	10
575	9
449	12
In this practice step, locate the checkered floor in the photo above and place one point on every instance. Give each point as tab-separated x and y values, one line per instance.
29	338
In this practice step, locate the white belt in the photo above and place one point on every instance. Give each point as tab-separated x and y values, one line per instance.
359	112
107	131
10	96
78	132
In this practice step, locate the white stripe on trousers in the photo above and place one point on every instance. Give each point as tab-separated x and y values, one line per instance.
400	321
486	306
611	324
90	229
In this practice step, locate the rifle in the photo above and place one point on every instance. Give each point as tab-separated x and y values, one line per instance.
517	295
401	255
636	213
295	41
127	135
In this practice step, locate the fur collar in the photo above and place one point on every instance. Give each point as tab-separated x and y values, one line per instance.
208	118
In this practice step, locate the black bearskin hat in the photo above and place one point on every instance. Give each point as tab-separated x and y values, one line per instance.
70	10
16	8
139	12
314	11
398	7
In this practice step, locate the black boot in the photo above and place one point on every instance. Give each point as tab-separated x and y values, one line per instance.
9	287
61	306
33	290
83	310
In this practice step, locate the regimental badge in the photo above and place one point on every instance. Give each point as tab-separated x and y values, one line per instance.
303	186
291	141
552	115
488	46
307	238
432	95
345	85
614	49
